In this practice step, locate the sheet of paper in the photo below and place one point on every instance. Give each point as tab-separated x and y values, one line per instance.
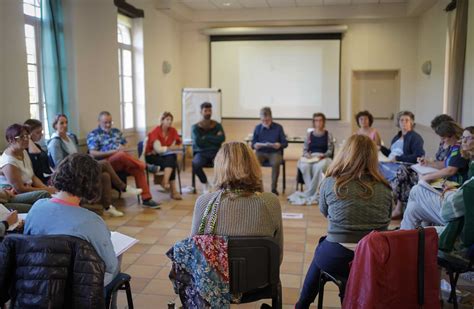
121	242
423	170
292	215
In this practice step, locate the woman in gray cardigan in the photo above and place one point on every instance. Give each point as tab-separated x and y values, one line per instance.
239	207
356	199
64	143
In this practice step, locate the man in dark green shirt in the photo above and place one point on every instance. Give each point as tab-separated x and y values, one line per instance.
208	136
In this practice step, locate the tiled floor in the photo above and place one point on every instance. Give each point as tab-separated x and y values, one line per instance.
157	230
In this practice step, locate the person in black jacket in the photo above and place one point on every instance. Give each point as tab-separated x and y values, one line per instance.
39	157
406	147
54	271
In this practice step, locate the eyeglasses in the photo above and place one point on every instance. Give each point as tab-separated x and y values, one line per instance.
466	138
24	137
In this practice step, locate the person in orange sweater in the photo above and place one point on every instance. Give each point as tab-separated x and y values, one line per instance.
161	146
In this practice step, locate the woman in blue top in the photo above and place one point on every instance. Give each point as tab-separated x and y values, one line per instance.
76	177
318	151
406	147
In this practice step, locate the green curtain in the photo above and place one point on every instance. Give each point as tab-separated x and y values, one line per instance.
53	57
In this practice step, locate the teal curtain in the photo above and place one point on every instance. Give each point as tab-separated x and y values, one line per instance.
53	57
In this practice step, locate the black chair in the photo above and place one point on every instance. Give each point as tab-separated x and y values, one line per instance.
120	282
254	269
193	177
299	180
337	280
140	151
283	164
454	266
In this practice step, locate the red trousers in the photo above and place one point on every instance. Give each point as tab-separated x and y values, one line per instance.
124	162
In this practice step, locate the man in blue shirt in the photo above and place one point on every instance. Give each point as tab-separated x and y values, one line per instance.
269	140
108	143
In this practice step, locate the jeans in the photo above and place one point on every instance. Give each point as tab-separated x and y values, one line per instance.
200	160
22	202
331	257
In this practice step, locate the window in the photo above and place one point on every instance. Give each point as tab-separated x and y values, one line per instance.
125	60
32	12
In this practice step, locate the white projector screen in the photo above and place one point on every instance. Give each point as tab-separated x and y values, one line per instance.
296	78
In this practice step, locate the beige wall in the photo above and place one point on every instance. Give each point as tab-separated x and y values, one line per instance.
161	42
389	45
468	98
13	75
91	28
431	46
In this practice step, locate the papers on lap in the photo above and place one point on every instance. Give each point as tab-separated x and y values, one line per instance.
423	170
121	242
4	213
439	185
315	157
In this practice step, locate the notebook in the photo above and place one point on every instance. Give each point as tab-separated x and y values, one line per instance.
122	242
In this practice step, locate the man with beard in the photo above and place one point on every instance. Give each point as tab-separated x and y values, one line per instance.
208	136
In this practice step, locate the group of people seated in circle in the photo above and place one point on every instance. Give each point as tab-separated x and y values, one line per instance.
354	189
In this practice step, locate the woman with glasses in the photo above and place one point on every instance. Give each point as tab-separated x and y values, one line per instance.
428	206
16	169
39	157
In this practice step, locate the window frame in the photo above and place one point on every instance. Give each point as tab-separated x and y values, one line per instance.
121	48
35	22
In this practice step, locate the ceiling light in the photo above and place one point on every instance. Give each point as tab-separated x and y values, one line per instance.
226	4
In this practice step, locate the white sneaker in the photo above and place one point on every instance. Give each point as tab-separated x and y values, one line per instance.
131	191
114	212
206	188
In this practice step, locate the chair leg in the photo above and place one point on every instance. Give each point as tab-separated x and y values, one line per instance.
453	280
284	176
277	301
147	177
179	180
322	282
128	290
193	179
108	299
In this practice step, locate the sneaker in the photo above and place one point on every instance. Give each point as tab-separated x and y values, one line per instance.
114	212
151	204
131	191
206	188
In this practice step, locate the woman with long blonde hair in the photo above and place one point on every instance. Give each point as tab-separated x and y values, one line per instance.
238	207
356	199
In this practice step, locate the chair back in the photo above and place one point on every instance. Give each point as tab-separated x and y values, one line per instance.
398	267
140	148
254	263
34	265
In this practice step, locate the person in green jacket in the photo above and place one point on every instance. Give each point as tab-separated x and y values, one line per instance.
208	136
457	208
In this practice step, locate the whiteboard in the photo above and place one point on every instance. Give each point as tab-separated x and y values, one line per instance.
192	98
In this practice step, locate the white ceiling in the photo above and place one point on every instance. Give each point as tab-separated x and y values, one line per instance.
206	5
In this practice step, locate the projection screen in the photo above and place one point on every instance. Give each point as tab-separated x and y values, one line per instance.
296	78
